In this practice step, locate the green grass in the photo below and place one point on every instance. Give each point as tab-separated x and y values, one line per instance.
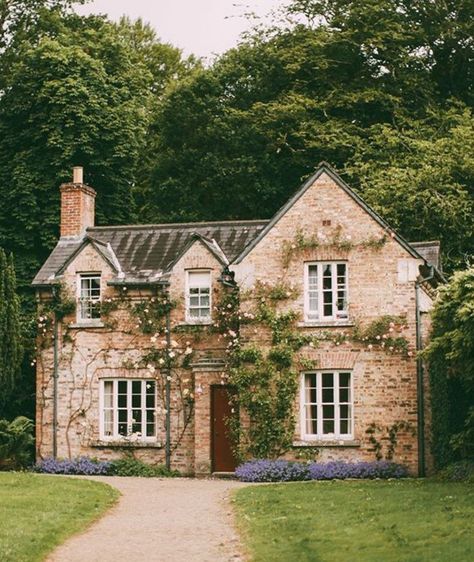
396	521
38	512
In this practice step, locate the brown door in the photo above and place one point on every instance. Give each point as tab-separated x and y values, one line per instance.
222	455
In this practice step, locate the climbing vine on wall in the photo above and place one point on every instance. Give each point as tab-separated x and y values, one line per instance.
334	240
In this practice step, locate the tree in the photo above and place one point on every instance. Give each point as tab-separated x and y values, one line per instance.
11	350
426	166
235	140
450	356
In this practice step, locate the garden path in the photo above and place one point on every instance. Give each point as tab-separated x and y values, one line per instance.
160	520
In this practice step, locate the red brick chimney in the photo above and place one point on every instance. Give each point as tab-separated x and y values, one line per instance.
77	205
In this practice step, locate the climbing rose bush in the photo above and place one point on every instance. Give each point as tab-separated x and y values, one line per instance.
287	471
80	465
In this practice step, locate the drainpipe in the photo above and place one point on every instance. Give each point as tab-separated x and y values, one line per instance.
168	388
420	393
55	381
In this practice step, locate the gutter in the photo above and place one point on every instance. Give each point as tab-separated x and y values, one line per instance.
420	392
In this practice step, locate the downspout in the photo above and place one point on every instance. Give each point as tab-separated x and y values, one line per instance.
55	381
168	387
420	392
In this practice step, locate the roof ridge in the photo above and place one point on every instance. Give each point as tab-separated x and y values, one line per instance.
176	224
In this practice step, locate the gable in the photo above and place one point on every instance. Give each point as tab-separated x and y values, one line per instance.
339	202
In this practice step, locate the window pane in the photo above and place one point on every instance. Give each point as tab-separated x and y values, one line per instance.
194	312
122	400
344	379
328	412
341	270
344	395
344	427
327	380
122	387
136	401
328	395
328	426
344	412
136	387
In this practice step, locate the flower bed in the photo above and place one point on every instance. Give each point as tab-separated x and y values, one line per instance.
127	466
287	471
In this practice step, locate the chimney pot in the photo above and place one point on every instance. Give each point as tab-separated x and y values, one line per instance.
78	174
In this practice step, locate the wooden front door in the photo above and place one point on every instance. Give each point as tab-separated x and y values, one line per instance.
222	455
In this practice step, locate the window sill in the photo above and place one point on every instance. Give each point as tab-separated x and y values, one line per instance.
104	444
326	443
203	323
94	324
330	324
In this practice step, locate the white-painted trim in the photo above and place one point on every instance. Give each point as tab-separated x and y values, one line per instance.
308	318
191	319
320	436
79	276
116	437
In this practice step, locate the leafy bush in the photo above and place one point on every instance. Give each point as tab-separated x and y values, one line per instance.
16	443
287	471
80	465
458	472
130	466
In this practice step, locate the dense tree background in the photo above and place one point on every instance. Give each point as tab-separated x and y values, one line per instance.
381	89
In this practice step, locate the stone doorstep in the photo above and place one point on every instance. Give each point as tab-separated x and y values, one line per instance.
223	475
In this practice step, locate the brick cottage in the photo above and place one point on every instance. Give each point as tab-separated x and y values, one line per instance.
134	353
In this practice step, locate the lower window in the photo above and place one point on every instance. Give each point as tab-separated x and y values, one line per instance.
326	405
128	409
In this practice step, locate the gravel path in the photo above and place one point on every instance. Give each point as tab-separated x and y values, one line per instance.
160	520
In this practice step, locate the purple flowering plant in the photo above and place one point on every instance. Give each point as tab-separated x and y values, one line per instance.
80	465
262	470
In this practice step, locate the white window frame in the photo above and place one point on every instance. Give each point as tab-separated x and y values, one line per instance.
337	316
116	436
192	319
320	436
80	277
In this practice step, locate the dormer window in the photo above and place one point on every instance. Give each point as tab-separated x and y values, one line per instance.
89	297
198	296
326	292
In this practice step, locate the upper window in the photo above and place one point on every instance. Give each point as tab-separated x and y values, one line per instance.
325	291
198	296
128	409
89	297
326	405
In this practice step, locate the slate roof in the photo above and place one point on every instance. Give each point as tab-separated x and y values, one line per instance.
145	253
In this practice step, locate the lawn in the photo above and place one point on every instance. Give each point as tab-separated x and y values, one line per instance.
38	512
350	521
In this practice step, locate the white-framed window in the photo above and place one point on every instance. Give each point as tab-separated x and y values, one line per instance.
326	291
326	405
88	288
198	296
127	409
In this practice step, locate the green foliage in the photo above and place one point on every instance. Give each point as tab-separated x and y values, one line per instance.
16	443
379	89
336	240
151	313
462	471
388	434
11	336
39	512
451	369
130	466
385	332
382	520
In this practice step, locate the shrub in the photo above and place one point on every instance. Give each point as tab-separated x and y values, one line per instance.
458	472
130	466
80	465
16	443
287	471
272	471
